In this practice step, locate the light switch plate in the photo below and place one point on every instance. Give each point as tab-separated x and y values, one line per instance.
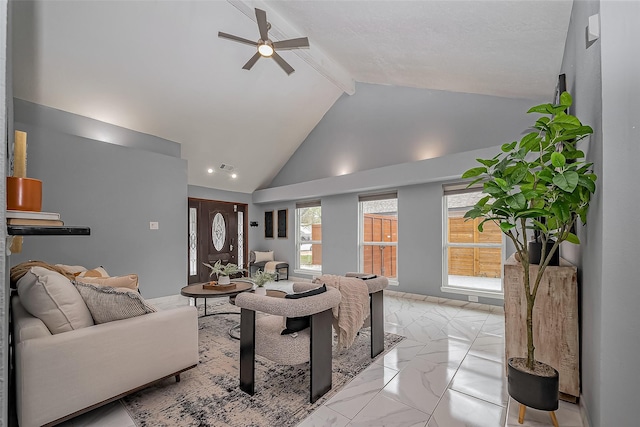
153	225
593	29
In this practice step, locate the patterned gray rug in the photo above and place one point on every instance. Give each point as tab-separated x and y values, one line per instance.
209	395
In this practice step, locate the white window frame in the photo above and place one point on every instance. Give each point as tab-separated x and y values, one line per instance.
446	287
362	244
298	268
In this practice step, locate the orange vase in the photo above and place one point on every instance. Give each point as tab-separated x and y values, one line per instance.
24	194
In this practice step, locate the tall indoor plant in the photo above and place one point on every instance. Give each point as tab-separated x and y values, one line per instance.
539	185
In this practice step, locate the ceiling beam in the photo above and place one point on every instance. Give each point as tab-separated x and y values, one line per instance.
315	57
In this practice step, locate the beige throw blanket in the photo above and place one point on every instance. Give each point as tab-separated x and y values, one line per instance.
270	266
350	314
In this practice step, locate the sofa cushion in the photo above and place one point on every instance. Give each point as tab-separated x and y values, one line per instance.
129	281
107	304
264	256
95	272
52	298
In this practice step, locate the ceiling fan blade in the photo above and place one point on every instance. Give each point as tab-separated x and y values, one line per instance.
250	63
236	38
261	17
292	43
282	63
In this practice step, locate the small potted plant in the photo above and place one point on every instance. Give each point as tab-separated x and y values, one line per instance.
223	271
260	278
540	185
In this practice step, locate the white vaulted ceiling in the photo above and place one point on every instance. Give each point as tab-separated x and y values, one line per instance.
158	67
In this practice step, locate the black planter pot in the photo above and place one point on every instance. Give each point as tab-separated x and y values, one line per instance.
532	390
535	252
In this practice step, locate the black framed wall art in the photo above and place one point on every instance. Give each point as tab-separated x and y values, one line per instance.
268	225
282	223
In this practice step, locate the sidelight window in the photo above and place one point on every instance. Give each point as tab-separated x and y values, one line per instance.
309	237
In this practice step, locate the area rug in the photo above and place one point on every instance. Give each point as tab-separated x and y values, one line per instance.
209	395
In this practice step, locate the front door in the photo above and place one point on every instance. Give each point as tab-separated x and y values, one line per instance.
216	233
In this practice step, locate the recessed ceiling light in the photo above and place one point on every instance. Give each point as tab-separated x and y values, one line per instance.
210	170
234	176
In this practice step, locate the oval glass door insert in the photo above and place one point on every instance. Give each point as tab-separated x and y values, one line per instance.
218	231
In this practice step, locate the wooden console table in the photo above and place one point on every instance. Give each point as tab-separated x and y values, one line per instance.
555	321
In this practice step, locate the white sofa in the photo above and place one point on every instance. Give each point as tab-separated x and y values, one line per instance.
63	375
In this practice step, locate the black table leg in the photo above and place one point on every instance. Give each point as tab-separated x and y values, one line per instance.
320	363
247	350
377	323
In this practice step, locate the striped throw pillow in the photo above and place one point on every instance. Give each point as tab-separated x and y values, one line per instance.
108	304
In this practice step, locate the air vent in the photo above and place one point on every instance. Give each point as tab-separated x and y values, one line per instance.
226	168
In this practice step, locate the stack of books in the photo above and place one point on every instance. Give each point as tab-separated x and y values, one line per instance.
33	218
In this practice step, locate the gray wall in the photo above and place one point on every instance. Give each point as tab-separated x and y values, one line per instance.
420	240
283	249
582	66
605	81
5	81
419	237
470	123
63	122
620	207
388	125
116	191
340	234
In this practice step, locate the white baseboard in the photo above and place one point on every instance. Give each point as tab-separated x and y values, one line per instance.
451	302
584	414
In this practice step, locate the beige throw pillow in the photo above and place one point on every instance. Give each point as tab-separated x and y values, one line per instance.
264	256
129	281
107	304
96	272
52	298
72	269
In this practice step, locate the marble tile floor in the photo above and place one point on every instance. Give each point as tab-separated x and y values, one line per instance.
448	372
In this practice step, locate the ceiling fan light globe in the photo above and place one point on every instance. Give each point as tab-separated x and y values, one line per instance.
265	50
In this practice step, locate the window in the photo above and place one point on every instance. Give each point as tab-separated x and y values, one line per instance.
379	235
193	241
472	260
240	237
309	236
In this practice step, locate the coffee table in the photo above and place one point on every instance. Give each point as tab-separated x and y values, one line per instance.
196	291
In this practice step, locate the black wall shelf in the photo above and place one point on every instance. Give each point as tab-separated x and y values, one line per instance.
40	230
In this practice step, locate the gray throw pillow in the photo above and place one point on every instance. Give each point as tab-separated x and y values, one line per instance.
107	304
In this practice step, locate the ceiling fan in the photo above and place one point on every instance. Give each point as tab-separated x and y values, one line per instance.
267	48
